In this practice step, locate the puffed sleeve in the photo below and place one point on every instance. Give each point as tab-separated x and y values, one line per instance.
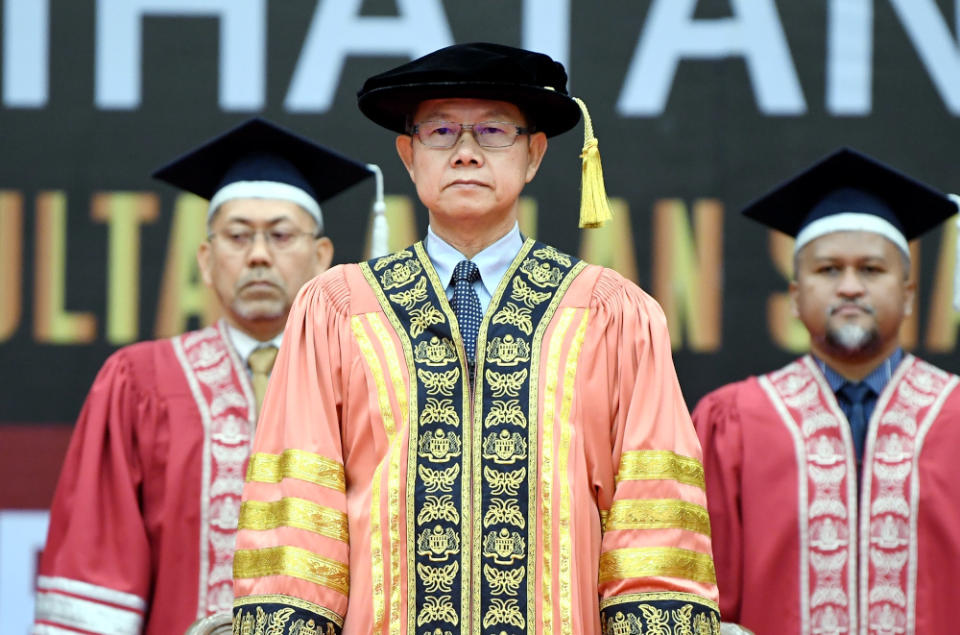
717	421
291	561
656	568
95	572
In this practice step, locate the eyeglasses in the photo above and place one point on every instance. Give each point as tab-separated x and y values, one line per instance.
240	240
489	134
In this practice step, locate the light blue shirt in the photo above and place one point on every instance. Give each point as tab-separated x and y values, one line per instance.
492	262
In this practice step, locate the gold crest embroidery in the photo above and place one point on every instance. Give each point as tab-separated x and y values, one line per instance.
504	511
391	258
550	253
439	411
410	297
439	448
423	318
438	579
623	625
504	546
508	350
522	292
438	609
506	384
504	483
400	275
439	383
438	544
508	411
504	448
515	315
505	612
541	273
436	352
503	581
438	508
439	480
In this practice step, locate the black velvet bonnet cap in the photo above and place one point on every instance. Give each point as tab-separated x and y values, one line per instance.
532	81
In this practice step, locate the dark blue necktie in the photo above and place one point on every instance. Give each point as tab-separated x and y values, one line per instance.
466	305
855	397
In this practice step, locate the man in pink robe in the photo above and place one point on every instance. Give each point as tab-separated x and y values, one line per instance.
144	517
830	482
478	433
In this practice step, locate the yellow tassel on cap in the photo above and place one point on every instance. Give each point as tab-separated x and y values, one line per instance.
594	208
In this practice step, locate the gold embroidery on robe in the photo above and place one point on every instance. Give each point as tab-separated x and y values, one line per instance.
294	562
294	512
647	562
641	465
658	514
303	466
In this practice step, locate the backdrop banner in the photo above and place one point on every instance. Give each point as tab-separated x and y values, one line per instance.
699	107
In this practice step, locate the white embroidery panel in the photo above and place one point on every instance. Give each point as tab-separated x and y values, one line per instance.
225	401
827	516
888	536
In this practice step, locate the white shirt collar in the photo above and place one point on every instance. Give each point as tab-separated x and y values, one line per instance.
492	262
244	344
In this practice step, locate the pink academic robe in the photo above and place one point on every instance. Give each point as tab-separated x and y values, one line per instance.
144	517
383	497
795	552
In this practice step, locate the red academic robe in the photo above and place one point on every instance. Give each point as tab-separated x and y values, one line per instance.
144	518
795	550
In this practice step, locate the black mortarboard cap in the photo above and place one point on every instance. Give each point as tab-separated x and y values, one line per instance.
848	183
481	70
258	153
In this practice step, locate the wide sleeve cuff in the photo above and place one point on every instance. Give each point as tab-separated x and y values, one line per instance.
636	613
283	615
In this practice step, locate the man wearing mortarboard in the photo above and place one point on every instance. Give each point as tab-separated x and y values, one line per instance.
831	481
496	425
145	512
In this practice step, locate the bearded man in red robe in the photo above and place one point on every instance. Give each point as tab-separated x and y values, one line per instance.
831	488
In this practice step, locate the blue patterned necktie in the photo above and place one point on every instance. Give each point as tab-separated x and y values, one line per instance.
466	305
855	396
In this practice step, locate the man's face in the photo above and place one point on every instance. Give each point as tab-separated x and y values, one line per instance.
852	293
261	251
469	182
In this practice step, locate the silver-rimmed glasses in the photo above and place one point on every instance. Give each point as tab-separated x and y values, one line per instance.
489	134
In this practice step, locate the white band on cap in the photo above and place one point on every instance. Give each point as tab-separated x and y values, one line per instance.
266	189
851	222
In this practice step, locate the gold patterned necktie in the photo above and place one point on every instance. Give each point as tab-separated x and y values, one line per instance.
260	363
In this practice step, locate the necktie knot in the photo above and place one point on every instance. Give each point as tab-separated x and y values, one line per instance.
855	393
261	360
466	271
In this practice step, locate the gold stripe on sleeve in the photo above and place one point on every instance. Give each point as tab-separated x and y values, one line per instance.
303	466
295	512
644	465
294	562
648	562
658	514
